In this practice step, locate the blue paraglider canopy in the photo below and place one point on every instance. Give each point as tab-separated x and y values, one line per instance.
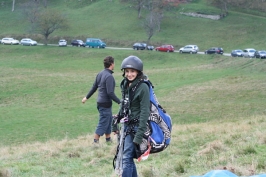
224	173
218	173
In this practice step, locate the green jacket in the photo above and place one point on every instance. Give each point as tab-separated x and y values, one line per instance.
139	106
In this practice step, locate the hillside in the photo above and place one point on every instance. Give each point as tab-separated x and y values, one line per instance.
116	23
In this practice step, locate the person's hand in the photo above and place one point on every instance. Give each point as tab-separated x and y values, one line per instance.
84	100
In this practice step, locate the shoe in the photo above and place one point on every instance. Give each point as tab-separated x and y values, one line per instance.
95	144
109	140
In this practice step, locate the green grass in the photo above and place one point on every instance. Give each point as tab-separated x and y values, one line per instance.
216	103
43	87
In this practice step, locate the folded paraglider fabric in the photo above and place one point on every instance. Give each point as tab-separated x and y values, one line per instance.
224	173
218	173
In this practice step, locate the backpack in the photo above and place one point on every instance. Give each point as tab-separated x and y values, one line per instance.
159	125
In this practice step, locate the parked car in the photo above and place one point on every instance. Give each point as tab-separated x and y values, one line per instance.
189	49
10	41
28	41
237	53
150	47
260	54
250	52
139	46
215	50
78	43
62	43
95	43
165	48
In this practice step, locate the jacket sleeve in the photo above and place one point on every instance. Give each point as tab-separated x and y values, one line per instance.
93	89
144	98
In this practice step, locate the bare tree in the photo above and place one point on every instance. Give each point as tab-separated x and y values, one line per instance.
139	5
157	7
13	5
31	11
45	3
48	21
222	4
151	24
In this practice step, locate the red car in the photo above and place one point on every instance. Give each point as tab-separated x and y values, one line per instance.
165	48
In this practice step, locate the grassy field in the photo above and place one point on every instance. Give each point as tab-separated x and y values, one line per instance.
216	103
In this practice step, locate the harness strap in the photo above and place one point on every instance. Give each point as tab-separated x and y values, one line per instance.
130	129
132	91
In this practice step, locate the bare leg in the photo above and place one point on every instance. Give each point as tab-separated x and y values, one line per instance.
96	137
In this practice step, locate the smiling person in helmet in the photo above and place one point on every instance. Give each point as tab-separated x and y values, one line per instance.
136	109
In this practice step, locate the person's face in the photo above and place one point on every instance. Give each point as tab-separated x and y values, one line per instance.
112	66
131	74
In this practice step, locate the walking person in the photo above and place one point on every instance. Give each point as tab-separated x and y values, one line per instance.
105	83
133	115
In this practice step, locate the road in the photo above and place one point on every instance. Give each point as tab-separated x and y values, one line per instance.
121	48
117	48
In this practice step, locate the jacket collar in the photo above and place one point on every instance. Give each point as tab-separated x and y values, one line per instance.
110	71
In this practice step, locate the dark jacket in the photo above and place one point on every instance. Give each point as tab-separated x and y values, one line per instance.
139	106
105	83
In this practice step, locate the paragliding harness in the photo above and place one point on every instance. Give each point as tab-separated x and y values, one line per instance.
158	133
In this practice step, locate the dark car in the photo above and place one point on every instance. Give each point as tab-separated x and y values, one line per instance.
139	46
214	50
78	43
237	53
165	48
260	54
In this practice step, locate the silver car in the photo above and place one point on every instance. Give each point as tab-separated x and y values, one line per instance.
189	49
28	41
249	53
260	54
237	53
